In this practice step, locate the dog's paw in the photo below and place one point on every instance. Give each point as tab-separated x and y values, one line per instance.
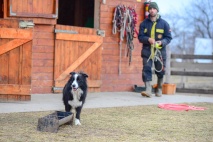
77	122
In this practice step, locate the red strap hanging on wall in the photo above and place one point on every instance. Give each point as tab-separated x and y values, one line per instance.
146	9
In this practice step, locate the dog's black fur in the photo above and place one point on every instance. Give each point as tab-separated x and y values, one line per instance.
75	92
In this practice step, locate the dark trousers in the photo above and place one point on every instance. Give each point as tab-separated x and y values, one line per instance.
147	66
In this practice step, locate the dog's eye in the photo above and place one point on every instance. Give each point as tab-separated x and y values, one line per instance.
78	78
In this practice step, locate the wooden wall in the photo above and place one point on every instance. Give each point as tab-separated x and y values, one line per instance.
43	54
43	50
130	75
43	15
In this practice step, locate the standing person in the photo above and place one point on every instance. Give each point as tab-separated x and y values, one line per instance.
154	34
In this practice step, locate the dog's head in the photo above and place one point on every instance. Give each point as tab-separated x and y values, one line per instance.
78	80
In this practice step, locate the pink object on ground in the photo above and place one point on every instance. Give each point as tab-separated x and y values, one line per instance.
179	107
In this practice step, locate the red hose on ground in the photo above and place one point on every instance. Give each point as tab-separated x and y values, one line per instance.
179	107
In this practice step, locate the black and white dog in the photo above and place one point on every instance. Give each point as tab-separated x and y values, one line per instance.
74	94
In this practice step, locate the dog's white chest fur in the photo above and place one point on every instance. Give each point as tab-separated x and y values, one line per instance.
76	97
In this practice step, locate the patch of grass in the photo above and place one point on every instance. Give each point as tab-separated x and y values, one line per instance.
129	124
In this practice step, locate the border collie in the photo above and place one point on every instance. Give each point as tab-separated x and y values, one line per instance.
74	94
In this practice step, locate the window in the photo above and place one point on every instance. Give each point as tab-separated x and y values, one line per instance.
76	13
1	9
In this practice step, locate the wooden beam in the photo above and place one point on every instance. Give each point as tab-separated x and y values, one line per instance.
16	33
189	56
5	9
12	97
197	91
192	73
78	62
37	15
190	66
15	89
12	44
91	84
79	37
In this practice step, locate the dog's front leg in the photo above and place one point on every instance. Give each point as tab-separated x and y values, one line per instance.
68	108
77	122
77	117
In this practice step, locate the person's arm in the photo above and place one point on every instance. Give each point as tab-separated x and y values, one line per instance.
142	34
167	35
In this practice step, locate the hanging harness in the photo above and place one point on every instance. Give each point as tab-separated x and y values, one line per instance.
155	50
124	21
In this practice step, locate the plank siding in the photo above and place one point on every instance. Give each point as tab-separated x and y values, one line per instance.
15	57
40	11
130	75
37	8
78	52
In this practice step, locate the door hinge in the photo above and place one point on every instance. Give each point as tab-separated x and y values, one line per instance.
101	33
26	24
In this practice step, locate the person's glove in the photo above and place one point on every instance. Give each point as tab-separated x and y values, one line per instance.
157	45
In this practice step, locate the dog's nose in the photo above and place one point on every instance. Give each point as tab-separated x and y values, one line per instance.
73	85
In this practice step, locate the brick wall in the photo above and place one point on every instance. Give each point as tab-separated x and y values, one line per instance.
43	54
130	75
42	59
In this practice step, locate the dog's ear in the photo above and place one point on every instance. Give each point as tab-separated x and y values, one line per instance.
72	73
85	75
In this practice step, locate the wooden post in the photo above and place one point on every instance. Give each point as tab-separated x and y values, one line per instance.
168	65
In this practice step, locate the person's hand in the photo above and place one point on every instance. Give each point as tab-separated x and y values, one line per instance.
159	43
151	40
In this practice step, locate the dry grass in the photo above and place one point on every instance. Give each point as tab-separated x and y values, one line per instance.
126	124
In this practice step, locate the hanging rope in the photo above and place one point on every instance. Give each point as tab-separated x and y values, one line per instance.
124	21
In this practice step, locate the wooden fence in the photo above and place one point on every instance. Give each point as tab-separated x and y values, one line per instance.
190	73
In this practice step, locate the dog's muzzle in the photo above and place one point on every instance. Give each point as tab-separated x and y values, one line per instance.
74	88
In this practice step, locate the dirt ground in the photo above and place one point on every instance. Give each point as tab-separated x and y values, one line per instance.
120	124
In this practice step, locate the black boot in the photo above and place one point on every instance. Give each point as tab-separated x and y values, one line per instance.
158	90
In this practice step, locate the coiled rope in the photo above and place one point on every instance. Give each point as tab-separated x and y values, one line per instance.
156	56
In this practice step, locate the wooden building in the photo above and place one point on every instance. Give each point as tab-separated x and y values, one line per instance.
41	41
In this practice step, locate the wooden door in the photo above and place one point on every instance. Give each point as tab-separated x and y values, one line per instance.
31	8
15	61
77	49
